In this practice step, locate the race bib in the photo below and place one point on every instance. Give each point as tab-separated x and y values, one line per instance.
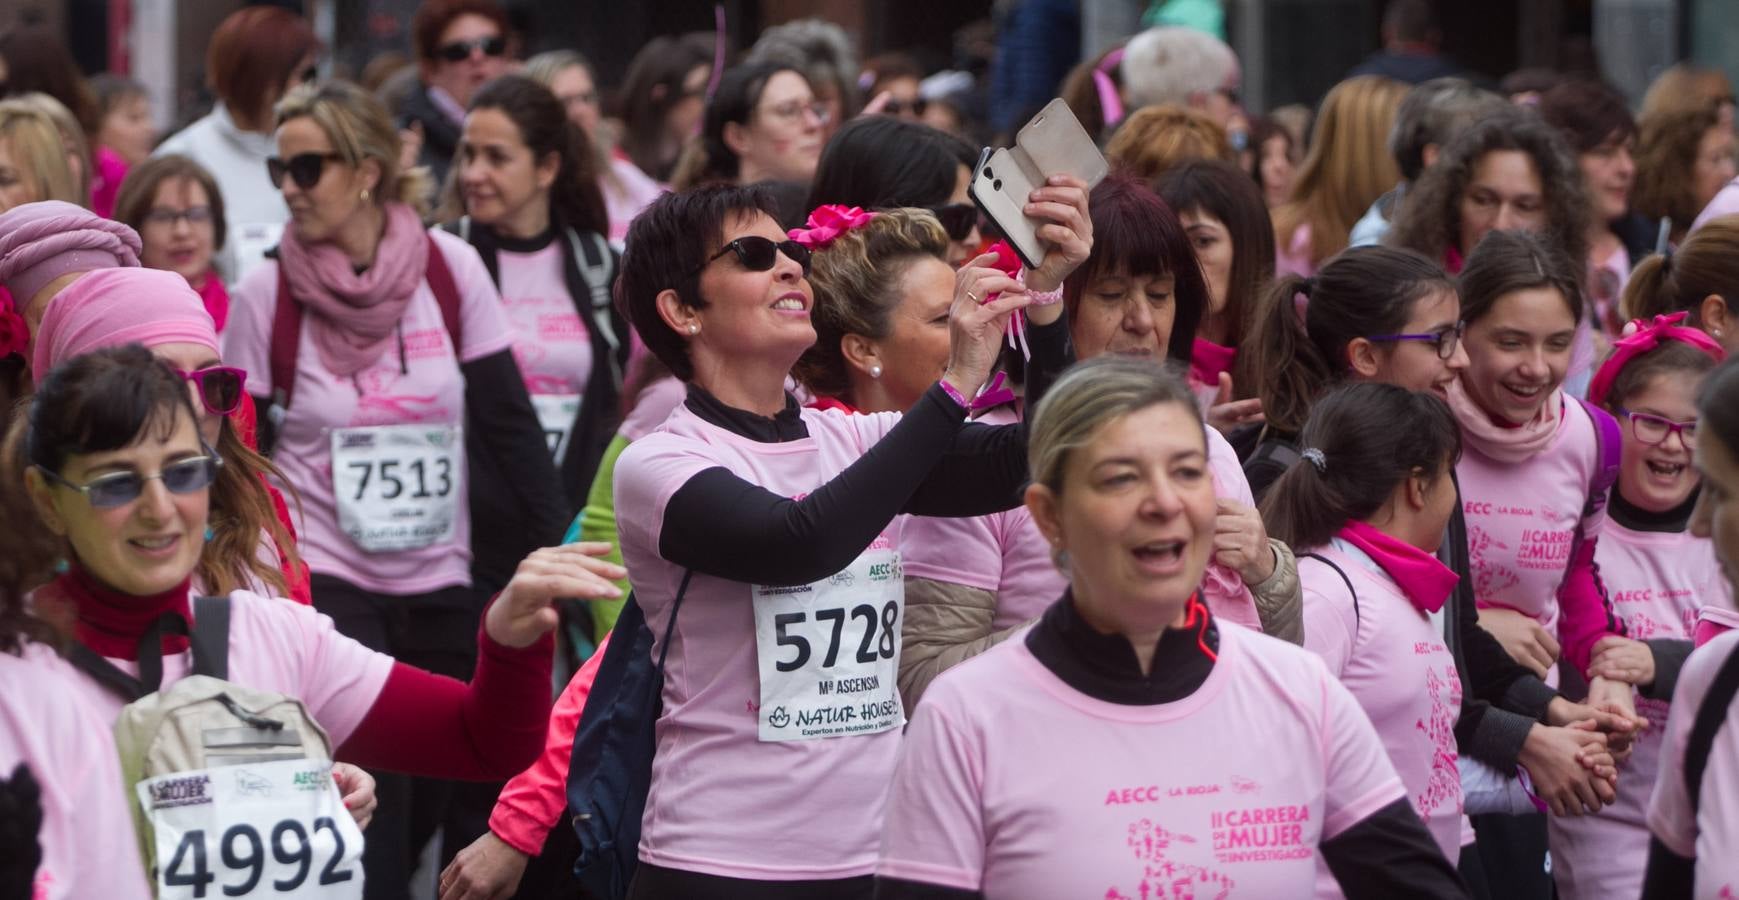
557	414
828	652
252	240
268	830
397	486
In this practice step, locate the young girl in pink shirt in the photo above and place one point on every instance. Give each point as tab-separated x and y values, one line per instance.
1127	745
1367	509
1660	577
1694	813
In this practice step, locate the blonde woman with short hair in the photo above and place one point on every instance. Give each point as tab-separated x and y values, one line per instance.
35	163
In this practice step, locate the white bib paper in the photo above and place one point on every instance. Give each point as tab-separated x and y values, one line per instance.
267	830
557	414
397	486
828	652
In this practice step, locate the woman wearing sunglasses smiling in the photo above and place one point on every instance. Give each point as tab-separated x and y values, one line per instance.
115	467
461	46
761	512
384	357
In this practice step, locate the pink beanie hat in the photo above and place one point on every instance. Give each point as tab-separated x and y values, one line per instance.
40	242
109	307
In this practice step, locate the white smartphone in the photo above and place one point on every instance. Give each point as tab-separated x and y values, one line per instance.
1053	143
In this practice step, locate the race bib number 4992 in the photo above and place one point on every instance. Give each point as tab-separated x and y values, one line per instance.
267	830
829	652
397	486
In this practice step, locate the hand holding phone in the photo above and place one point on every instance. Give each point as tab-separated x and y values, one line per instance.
1052	144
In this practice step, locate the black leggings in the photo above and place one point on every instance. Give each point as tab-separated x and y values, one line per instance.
436	631
658	883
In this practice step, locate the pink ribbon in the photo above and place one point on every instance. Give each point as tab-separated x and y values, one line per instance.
1008	263
994	394
1110	102
827	223
1642	340
14	333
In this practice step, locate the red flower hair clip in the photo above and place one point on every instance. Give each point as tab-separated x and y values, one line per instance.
827	223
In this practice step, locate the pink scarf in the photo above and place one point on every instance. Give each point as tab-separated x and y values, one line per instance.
1505	444
355	315
216	298
1421	576
1208	360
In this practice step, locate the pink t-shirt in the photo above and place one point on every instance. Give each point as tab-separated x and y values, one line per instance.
1014	784
1658	582
431	389
1394	661
1712	832
627	191
277	646
722	802
550	341
1003	553
87	840
1521	519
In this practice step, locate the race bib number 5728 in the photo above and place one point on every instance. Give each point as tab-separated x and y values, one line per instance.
267	830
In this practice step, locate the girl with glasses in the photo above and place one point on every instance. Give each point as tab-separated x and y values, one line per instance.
115	467
382	356
177	209
1665	583
781	526
763	124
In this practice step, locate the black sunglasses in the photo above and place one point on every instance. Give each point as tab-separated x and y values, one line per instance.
758	254
220	387
121	488
459	51
958	219
303	168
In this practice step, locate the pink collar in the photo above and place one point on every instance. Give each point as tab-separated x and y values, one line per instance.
1421	576
1505	443
1208	360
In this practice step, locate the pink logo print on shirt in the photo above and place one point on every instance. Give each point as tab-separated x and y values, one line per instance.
1163	878
1445	782
1488	577
378	406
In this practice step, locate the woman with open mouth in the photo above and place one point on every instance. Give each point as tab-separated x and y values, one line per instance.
1665	582
1031	769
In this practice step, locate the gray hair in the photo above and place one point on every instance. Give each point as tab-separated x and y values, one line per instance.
1170	64
1433	112
1090	396
544	67
819	49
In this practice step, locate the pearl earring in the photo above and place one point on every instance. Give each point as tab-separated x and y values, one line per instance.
365	195
875	371
693	328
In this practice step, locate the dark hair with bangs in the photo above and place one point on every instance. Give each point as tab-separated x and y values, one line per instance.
738	95
1588	113
101	401
1223	191
880	162
1360	292
1510	261
1135	233
666	245
1372	437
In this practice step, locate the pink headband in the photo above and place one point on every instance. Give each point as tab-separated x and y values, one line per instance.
827	223
1644	339
109	307
1110	102
40	242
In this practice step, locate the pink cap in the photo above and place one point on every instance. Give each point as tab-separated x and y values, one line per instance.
40	242
109	307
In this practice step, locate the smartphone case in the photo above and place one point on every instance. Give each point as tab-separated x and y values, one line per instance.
1053	143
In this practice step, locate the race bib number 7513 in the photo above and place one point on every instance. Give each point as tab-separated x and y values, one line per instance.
266	830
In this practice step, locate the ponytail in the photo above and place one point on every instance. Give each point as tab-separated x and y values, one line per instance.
1362	441
1295	371
1706	264
1645	294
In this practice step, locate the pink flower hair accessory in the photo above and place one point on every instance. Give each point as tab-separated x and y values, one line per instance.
827	223
1639	339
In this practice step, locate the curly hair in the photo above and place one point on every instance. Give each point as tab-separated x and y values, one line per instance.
1348	167
1429	220
1155	138
857	288
1666	152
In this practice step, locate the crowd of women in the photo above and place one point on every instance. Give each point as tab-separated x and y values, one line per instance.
1323	514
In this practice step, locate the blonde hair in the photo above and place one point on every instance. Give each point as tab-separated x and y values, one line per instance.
1090	396
1686	86
1706	263
360	129
1349	165
1156	138
856	280
40	149
1666	151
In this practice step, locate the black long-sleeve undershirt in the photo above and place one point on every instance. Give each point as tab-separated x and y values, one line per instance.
930	463
1668	876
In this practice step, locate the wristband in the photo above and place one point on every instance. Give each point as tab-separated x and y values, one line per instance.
1045	298
954	393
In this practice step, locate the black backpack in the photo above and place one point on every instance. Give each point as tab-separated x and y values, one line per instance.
1710	716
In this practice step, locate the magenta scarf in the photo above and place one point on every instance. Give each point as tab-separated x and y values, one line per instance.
216	299
1505	443
1421	576
1208	360
355	315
